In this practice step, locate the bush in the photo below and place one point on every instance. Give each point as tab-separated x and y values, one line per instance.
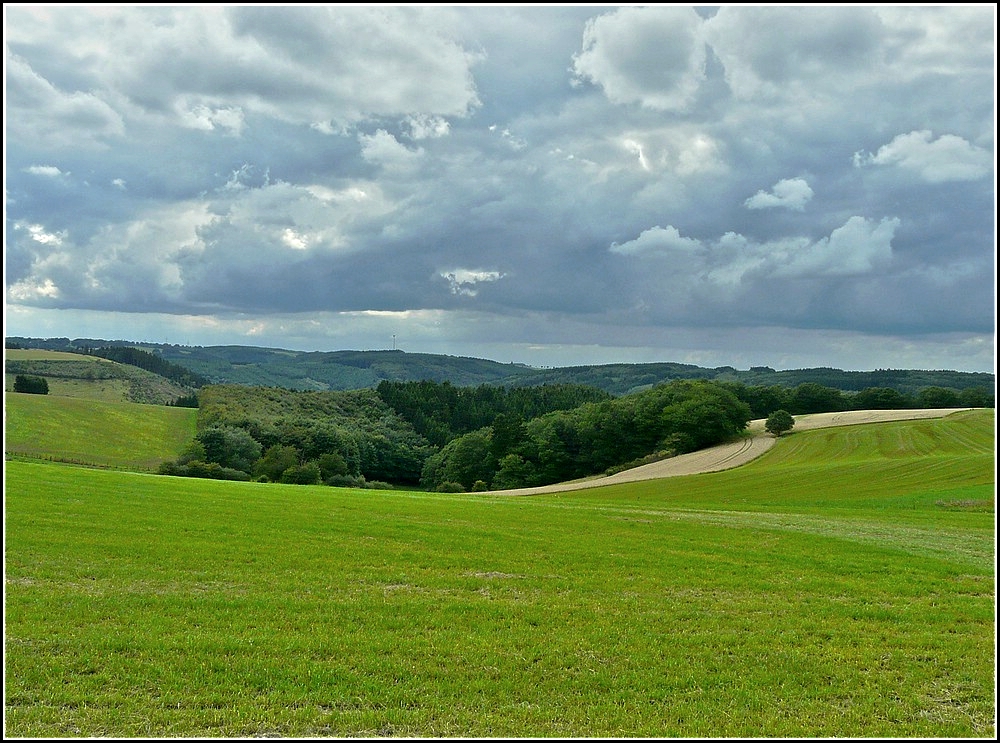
208	470
450	487
171	468
345	481
185	401
332	464
302	474
657	456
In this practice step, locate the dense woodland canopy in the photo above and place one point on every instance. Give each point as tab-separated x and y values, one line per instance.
150	362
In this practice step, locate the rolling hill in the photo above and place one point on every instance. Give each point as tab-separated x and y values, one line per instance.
80	375
349	370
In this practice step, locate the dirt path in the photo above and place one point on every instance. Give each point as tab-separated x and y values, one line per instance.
734	454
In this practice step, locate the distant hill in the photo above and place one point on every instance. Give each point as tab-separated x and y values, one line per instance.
349	370
624	378
92	377
306	370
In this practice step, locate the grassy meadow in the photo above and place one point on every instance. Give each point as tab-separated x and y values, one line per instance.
100	433
39	354
842	585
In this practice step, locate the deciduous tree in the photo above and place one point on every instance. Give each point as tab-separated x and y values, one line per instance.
779	422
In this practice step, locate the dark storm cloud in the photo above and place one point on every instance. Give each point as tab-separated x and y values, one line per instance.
592	175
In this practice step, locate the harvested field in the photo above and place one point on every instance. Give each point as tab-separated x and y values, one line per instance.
736	453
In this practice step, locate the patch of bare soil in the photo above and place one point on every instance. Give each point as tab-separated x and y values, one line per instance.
736	453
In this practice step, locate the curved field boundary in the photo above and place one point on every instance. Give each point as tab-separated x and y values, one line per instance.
736	453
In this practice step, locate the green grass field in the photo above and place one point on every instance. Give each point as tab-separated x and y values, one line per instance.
38	354
842	585
98	433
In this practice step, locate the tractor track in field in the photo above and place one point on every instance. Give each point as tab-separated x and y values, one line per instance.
735	453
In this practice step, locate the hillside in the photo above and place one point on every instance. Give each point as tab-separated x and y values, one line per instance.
348	370
79	375
120	435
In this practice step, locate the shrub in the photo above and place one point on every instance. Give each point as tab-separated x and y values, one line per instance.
332	464
345	481
301	474
209	470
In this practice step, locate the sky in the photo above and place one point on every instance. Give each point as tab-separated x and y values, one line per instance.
551	185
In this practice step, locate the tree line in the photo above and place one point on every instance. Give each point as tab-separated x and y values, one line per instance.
440	411
812	397
150	362
670	419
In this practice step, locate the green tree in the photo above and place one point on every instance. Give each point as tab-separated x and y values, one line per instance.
276	460
810	397
193	452
514	472
301	474
332	464
880	398
508	434
765	399
708	416
976	397
463	460
937	397
779	422
230	447
31	385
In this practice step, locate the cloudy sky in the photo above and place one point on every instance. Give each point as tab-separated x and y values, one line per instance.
550	185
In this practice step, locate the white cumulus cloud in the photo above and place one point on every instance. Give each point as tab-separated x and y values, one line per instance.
947	158
857	247
657	240
48	171
790	193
